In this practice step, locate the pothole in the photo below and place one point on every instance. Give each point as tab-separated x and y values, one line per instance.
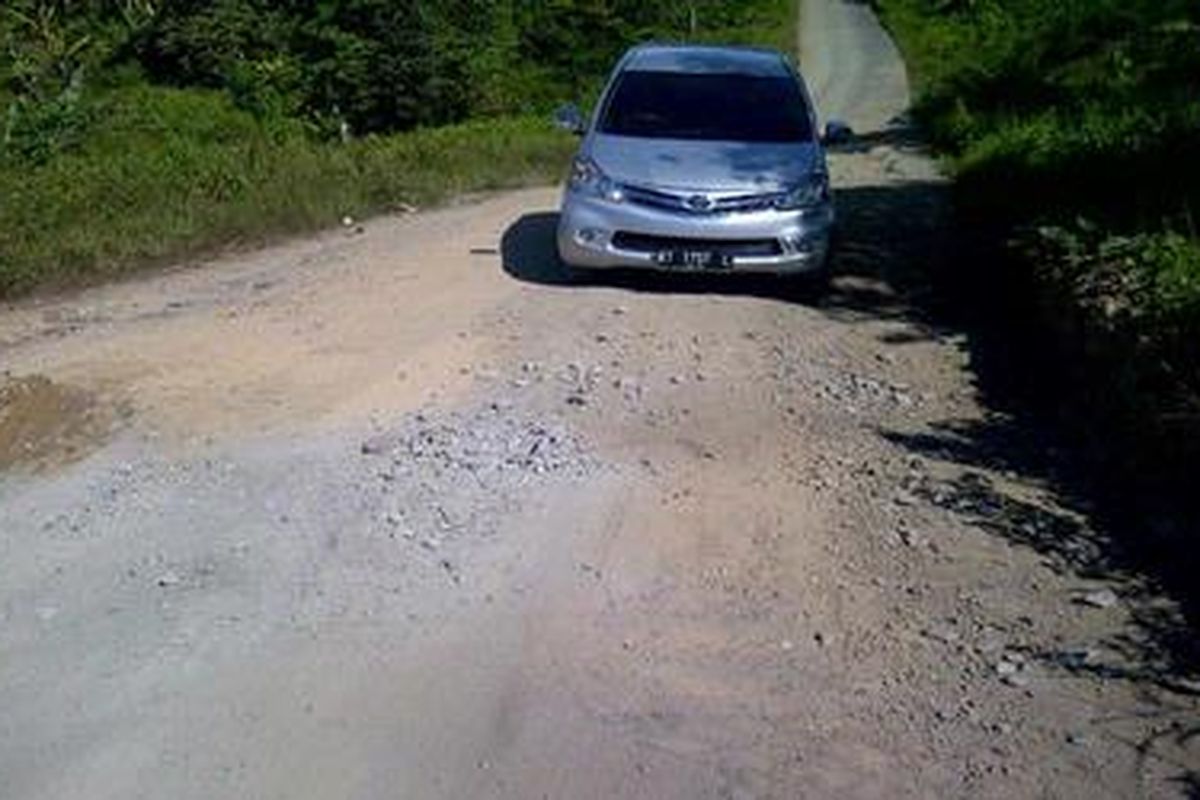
44	424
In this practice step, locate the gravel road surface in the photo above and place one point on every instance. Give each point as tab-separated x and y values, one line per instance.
403	512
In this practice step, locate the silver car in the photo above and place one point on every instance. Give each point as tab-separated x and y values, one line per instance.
699	159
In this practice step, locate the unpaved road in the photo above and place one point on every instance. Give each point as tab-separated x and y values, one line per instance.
402	514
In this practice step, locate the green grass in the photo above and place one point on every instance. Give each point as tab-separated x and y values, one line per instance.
138	175
169	173
1080	117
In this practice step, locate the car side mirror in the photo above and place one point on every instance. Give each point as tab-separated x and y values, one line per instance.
570	119
837	132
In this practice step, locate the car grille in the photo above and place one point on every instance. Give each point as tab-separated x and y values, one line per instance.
699	203
644	243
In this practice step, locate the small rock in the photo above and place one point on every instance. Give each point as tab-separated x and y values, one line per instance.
1012	673
941	633
588	569
347	221
169	578
1078	659
819	638
787	646
1104	598
577	400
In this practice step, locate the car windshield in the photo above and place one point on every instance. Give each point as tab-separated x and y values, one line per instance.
707	106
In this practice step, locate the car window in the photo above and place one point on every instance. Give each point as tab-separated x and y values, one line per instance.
707	106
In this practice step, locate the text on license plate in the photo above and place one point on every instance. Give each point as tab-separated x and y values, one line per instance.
692	259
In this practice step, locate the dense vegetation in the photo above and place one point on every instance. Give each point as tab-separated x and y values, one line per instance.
1073	129
141	130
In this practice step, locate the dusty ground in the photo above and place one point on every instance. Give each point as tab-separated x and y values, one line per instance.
405	514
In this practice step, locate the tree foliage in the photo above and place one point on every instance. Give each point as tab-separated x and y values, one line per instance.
373	65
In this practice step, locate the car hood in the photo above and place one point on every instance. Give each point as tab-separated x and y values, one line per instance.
704	166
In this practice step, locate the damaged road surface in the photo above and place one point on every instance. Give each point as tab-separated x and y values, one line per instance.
406	513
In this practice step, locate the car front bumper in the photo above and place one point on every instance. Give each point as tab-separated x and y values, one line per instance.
593	233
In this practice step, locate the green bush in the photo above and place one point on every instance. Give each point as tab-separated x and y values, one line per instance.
1052	110
170	172
383	65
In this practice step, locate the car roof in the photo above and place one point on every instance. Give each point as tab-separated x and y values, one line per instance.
705	59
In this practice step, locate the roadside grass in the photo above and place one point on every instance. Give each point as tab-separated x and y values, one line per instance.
168	173
1073	132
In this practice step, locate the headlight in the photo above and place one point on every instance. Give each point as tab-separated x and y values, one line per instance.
813	192
588	178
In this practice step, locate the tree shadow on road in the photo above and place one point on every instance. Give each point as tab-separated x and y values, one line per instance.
948	284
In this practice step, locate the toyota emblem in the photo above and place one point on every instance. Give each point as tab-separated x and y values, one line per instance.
699	203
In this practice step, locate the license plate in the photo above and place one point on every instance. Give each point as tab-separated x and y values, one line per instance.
688	260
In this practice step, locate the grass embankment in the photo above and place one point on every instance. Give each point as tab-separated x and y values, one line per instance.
1072	128
133	140
173	172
